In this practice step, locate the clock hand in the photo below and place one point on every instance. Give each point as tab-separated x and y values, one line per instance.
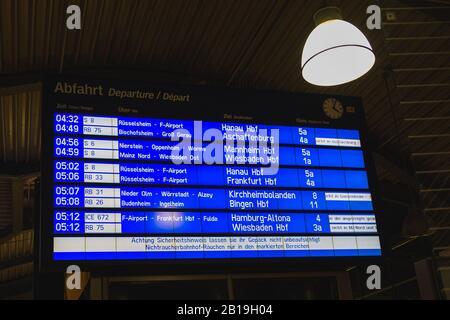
334	105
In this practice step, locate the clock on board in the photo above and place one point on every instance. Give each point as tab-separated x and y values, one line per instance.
333	108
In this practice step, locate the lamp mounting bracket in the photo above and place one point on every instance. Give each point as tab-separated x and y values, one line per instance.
326	14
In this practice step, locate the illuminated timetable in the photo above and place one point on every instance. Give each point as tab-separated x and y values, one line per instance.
117	193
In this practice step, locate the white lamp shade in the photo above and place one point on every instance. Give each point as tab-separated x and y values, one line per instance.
336	52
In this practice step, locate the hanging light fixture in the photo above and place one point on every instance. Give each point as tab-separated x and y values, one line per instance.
335	52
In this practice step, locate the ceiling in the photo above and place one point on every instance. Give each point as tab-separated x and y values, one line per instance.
242	43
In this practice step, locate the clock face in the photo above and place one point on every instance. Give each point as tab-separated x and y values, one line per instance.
333	108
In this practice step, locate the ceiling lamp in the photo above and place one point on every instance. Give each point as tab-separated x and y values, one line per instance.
335	52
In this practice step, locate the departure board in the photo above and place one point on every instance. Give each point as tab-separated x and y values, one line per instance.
148	182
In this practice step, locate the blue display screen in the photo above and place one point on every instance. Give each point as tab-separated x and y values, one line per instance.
129	188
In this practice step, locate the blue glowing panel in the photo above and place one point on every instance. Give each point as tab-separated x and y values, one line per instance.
325	133
352	158
313	200
348	134
334	179
307	157
330	158
128	188
310	178
356	179
303	136
317	223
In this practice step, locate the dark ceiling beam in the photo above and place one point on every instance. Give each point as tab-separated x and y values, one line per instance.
17	89
439	15
390	166
8	170
19	80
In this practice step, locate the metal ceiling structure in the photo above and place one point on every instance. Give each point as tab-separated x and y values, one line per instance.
249	44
